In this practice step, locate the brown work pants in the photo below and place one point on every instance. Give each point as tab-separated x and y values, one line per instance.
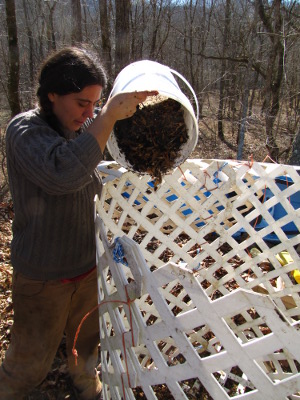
43	312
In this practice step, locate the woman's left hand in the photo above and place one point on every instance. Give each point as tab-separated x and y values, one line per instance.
123	105
120	106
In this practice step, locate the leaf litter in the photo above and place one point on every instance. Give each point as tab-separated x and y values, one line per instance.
152	138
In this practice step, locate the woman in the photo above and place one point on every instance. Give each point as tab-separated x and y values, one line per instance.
51	165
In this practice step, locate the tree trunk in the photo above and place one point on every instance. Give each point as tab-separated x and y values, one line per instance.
76	36
223	70
105	35
205	23
156	12
30	43
295	155
274	73
122	34
50	26
139	21
246	91
190	30
14	58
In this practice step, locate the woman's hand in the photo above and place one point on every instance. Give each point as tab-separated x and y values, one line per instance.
120	106
123	105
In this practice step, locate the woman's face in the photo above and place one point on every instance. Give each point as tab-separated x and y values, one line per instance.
73	109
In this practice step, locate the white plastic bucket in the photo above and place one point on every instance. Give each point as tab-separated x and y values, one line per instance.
151	75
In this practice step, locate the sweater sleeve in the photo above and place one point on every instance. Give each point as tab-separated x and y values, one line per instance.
57	165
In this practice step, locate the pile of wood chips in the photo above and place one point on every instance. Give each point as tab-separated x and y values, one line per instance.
151	140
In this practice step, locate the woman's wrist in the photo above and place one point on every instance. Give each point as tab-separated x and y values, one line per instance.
102	127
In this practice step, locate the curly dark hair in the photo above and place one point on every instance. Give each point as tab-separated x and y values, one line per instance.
67	71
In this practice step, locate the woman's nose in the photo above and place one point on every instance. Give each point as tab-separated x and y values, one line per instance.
89	111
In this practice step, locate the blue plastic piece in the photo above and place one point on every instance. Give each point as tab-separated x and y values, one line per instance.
118	253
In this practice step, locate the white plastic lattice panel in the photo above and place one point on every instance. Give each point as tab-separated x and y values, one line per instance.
174	338
211	228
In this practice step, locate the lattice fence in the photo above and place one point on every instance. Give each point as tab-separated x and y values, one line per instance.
189	318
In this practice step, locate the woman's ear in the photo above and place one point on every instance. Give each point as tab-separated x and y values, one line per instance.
51	97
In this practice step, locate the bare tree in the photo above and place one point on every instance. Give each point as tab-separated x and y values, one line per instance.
272	22
139	25
223	68
122	28
4	185
76	35
246	91
295	154
105	35
190	41
196	31
28	27
151	24
50	25
160	26
14	59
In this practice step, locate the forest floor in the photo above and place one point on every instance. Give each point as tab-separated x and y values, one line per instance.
57	385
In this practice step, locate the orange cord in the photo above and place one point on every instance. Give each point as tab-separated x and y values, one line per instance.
128	303
268	157
184	178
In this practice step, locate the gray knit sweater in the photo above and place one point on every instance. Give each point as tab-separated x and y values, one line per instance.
53	182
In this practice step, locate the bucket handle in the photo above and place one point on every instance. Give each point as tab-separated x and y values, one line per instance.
190	87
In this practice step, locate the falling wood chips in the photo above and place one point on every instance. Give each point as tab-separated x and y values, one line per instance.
152	138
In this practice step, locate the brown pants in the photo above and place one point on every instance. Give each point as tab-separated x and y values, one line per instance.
43	311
